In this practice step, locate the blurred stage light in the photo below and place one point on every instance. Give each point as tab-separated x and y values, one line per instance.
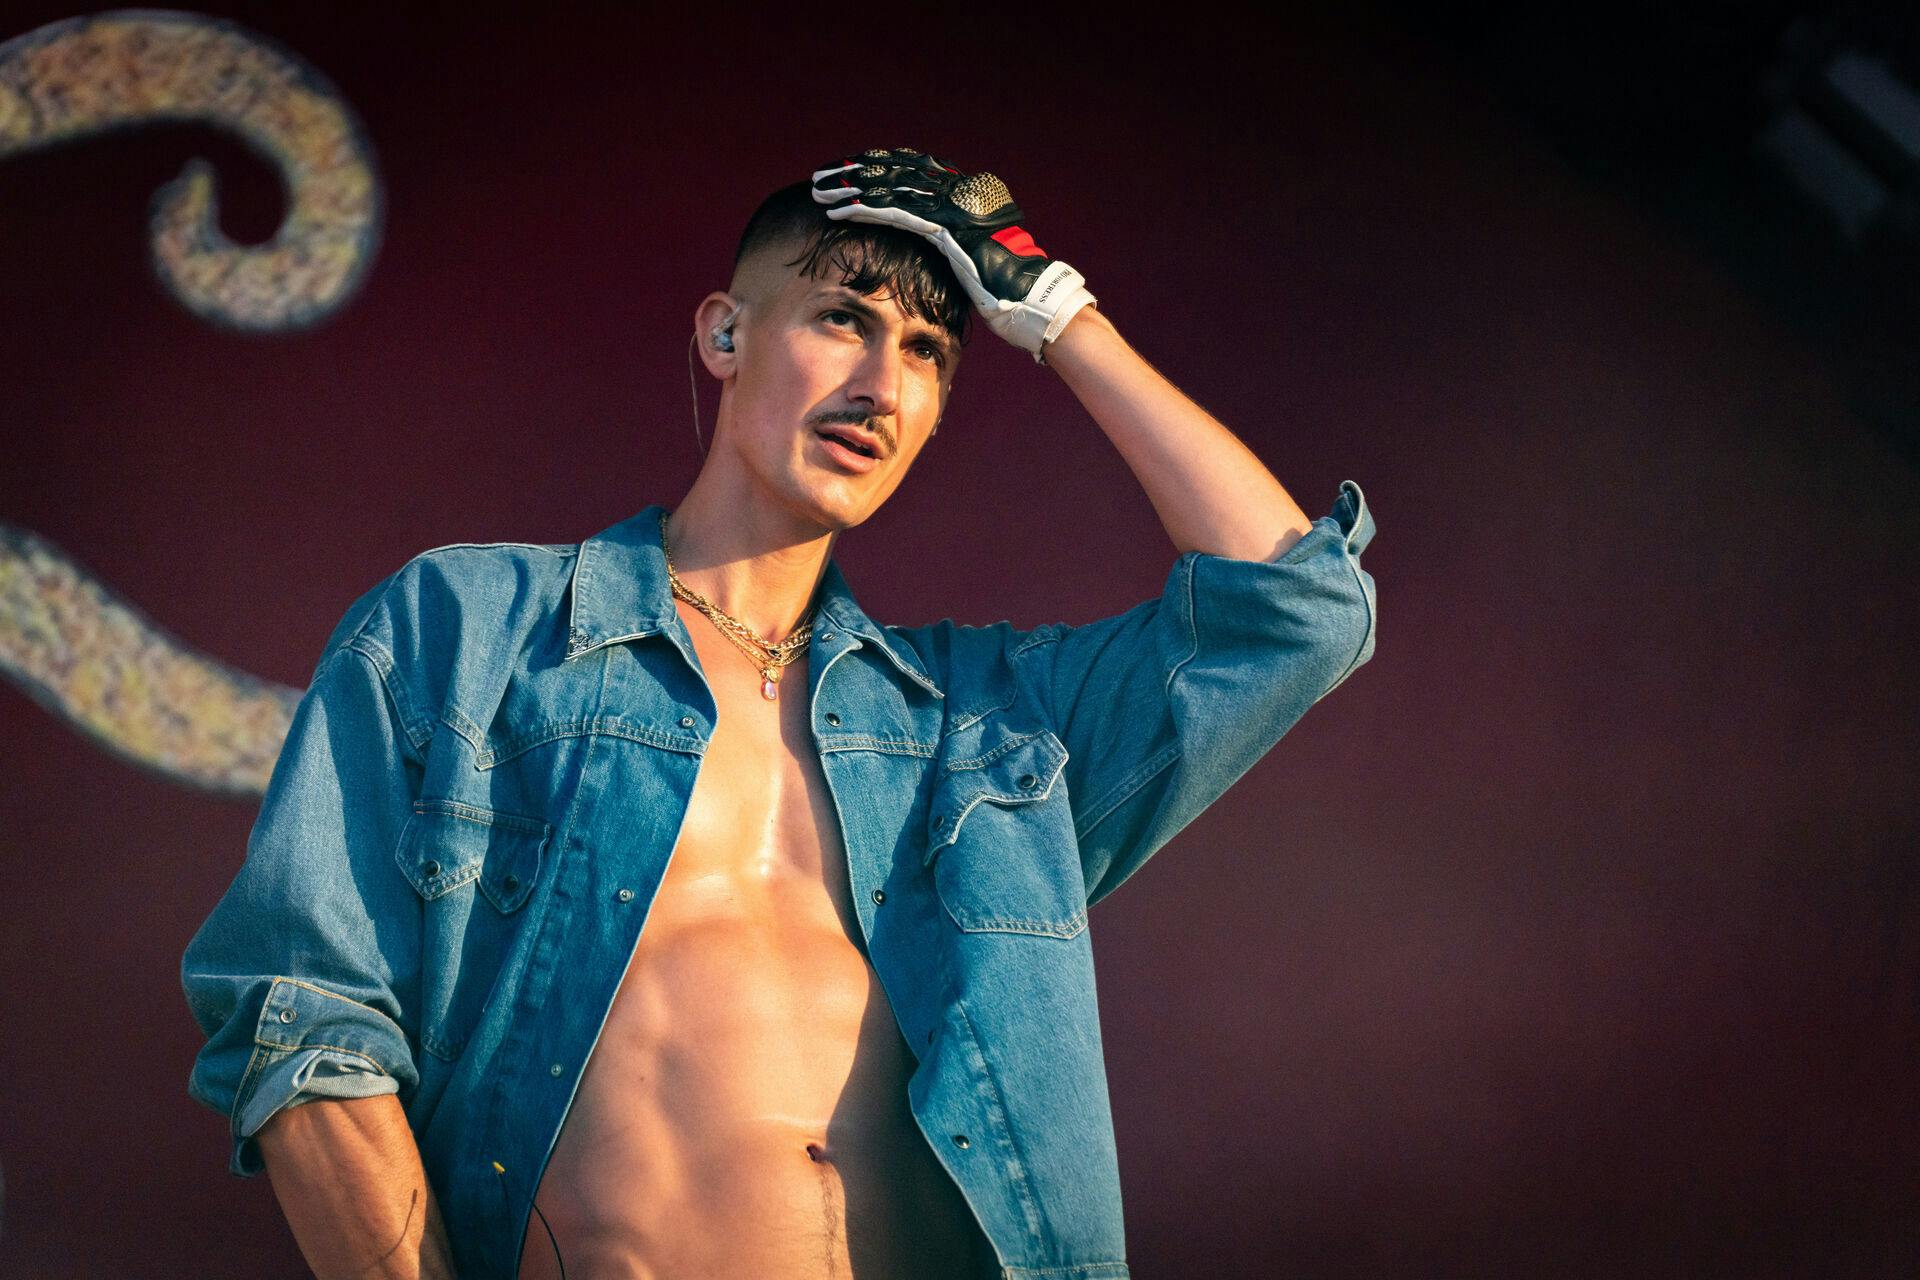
1846	135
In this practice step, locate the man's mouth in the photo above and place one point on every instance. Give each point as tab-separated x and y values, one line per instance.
849	442
846	453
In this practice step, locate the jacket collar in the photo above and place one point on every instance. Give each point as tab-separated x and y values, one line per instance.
620	592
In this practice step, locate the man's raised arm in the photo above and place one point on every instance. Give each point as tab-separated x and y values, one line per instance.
1163	707
1211	492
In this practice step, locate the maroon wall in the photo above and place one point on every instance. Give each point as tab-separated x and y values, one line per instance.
1573	936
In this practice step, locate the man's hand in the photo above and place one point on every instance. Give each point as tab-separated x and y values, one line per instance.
1024	296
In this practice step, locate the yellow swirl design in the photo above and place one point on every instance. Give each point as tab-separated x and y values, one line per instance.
66	639
82	76
97	662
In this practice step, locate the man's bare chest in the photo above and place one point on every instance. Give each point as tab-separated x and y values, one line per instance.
761	839
750	1057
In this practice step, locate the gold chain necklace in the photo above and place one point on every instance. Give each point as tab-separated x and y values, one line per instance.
770	658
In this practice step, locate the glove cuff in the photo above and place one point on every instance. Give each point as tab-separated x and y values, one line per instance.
1057	293
1068	310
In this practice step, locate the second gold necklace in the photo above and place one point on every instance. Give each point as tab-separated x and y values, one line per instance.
771	659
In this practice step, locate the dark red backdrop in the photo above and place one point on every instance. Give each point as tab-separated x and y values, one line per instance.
1574	936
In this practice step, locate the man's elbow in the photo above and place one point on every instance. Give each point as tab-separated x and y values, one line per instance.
1350	647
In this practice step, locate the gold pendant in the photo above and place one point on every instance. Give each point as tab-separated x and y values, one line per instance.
769	683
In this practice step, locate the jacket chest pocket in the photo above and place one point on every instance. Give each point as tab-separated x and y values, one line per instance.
1000	838
474	870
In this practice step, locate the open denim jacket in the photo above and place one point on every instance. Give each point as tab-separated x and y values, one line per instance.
479	793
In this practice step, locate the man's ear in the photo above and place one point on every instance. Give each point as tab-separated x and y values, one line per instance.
716	332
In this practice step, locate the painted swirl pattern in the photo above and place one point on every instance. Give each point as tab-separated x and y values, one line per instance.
82	76
94	660
71	643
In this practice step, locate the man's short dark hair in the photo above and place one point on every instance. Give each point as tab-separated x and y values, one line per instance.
871	259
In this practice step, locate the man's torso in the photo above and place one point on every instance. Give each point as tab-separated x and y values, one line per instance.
745	1111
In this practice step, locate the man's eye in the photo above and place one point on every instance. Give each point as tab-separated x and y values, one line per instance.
933	353
844	315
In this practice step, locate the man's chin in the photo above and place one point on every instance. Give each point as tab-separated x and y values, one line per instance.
840	519
831	508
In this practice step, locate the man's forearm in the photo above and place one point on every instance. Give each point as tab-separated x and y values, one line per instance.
1211	492
349	1180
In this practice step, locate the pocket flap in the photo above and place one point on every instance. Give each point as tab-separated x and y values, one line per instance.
1016	771
447	844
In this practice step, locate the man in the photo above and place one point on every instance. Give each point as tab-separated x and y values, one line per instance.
641	907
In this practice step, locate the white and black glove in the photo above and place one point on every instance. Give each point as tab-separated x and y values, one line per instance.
1024	296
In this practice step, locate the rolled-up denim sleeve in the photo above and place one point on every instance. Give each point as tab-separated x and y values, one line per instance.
1164	707
310	1074
302	977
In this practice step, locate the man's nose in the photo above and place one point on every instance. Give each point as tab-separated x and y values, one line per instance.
876	379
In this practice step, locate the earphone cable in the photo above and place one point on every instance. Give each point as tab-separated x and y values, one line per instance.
501	1171
693	385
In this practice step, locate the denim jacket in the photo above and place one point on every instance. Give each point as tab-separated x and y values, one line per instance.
479	792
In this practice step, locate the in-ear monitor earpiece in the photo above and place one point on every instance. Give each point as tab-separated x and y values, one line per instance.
723	332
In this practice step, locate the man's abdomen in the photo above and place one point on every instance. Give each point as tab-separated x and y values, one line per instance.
744	1112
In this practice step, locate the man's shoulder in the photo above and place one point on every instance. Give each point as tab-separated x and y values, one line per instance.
460	592
483	555
482	565
974	664
947	644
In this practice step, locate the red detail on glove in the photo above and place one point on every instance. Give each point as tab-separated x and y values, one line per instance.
1016	240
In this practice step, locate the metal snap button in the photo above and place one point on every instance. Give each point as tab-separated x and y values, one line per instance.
1028	781
431	869
686	722
879	896
556	1070
962	1141
833	719
510	883
288	1015
625	895
827	635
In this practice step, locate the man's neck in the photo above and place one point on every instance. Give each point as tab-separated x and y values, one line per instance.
748	557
